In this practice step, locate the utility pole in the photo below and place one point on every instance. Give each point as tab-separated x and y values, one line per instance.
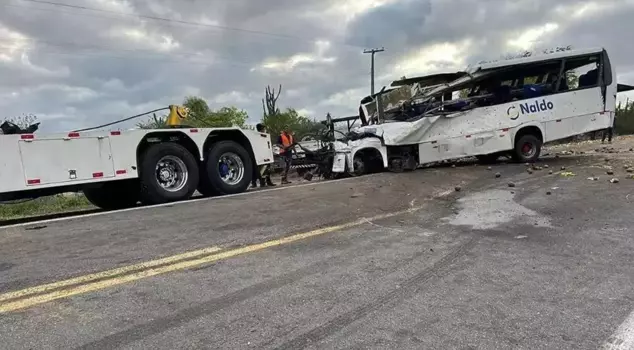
372	51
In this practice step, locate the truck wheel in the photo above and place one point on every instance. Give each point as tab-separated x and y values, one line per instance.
229	168
168	172
527	149
114	195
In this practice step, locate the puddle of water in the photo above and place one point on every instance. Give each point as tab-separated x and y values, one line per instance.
490	209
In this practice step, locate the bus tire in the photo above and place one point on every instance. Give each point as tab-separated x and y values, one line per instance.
168	173
527	149
234	174
121	194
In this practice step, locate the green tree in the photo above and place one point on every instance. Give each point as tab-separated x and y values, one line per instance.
154	122
23	121
202	116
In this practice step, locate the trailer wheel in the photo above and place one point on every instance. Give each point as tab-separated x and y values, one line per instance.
527	148
229	168
114	195
168	172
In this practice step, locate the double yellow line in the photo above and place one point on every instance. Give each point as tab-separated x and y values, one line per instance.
28	297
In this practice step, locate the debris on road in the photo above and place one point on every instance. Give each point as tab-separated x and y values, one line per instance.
497	175
511	184
550	172
546	166
548	193
457	188
614	181
529	171
593	178
489	168
520	237
610	172
563	168
567	173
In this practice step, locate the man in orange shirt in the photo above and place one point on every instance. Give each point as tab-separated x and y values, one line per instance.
286	143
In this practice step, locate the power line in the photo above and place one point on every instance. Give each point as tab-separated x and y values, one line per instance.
171	20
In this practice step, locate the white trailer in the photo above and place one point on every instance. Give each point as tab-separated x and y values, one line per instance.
118	169
506	107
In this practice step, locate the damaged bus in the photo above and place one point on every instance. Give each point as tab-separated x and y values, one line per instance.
506	107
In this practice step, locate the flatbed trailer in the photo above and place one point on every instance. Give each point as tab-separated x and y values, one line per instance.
118	169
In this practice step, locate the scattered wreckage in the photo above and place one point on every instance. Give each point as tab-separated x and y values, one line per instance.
507	107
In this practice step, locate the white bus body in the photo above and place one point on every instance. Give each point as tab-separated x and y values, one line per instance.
111	167
517	118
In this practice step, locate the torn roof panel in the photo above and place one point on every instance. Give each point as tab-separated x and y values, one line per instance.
536	57
429	80
624	87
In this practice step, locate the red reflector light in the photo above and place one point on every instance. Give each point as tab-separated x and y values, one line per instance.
33	181
121	172
97	174
73	134
27	136
193	130
115	133
505	130
558	120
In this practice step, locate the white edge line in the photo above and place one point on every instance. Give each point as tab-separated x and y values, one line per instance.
195	200
623	337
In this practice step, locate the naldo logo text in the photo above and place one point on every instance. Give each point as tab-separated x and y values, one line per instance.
528	108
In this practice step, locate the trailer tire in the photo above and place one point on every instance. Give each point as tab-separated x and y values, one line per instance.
527	148
114	195
240	175
178	177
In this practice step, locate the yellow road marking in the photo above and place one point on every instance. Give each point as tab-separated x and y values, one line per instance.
106	274
152	270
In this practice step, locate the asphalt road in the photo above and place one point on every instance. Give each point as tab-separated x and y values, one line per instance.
389	261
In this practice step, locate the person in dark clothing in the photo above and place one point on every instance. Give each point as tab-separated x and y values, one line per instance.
286	143
608	132
264	171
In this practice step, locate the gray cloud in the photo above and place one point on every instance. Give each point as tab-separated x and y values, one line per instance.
82	68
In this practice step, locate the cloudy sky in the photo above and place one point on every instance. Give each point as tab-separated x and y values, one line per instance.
109	59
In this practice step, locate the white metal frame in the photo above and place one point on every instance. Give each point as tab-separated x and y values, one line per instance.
38	161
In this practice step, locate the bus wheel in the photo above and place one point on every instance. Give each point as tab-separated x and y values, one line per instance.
229	168
169	172
113	195
527	149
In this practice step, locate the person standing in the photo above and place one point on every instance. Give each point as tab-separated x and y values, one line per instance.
286	143
264	171
609	131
